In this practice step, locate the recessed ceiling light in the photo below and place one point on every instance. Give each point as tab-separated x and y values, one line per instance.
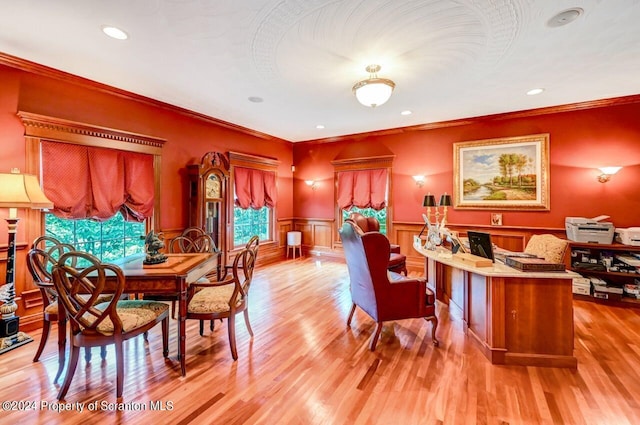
114	32
565	17
407	112
319	126
534	92
256	99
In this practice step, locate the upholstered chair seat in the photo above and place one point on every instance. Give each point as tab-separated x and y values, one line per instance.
397	263
52	308
133	314
211	300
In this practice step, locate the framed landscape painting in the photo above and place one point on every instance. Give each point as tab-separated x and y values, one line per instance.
507	173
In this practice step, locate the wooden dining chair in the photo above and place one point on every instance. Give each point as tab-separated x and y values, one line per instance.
111	322
197	240
253	244
44	254
192	240
225	299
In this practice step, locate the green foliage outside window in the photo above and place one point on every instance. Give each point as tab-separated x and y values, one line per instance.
250	222
108	240
381	216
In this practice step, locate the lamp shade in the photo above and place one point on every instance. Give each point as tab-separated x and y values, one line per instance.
22	191
445	200
429	201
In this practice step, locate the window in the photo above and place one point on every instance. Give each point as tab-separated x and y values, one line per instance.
380	215
363	185
108	240
255	196
109	236
250	222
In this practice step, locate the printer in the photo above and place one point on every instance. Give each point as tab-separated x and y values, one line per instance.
629	236
590	230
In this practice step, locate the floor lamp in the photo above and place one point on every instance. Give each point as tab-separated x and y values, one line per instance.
17	191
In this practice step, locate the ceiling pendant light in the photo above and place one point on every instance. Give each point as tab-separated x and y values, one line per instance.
373	91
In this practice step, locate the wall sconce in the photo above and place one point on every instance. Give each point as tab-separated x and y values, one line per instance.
430	201
419	180
311	183
607	172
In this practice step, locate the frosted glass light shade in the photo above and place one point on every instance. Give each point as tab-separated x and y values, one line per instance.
609	170
374	91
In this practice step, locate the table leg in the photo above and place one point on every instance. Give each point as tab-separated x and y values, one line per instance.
182	334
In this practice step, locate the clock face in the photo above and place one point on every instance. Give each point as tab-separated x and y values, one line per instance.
213	186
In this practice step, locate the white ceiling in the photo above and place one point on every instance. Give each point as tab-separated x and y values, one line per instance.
449	59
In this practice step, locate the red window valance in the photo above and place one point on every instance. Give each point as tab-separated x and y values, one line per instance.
95	183
254	188
362	189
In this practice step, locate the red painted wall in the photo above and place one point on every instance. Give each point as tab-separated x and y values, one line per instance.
187	138
580	142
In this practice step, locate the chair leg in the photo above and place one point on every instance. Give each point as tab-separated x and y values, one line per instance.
87	354
211	326
374	338
173	309
232	336
246	321
434	325
46	326
103	352
62	352
202	328
73	362
119	369
165	337
353	310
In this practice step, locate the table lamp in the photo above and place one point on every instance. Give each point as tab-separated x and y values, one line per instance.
18	191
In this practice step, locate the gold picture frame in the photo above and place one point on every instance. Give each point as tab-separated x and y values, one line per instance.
505	173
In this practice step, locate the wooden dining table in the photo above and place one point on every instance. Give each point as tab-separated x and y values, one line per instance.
171	277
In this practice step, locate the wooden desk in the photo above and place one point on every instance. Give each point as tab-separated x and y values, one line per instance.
170	277
518	318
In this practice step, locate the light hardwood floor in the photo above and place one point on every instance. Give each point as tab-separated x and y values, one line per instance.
304	366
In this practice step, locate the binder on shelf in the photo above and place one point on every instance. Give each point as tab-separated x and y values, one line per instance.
533	264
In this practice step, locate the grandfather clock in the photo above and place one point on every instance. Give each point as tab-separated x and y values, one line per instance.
208	197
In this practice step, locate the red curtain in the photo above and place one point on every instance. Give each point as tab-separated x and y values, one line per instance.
362	189
95	183
139	186
254	188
